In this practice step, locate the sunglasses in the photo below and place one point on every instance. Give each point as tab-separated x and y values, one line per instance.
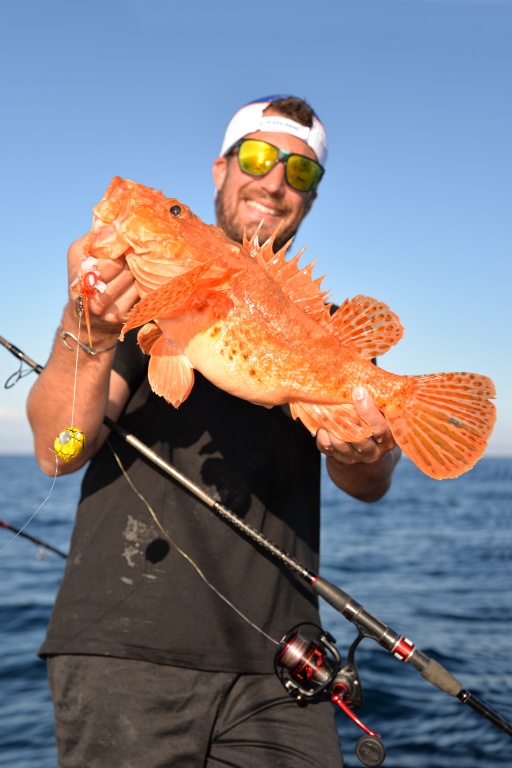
257	158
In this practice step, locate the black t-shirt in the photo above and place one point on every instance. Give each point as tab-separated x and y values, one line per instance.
128	592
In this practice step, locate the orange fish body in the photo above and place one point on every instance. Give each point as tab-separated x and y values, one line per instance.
259	327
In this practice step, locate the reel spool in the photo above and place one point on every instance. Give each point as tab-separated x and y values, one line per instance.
307	661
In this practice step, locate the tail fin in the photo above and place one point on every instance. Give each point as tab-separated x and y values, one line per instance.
443	421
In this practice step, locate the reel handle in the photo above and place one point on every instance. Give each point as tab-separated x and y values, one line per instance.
339	692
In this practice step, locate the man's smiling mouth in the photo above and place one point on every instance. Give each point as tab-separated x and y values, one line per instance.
264	209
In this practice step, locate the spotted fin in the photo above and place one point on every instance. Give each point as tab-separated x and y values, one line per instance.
340	420
366	325
442	421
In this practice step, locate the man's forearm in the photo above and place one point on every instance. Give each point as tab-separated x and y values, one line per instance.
366	482
52	403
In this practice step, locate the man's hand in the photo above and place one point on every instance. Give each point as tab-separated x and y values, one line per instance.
363	469
109	309
368	450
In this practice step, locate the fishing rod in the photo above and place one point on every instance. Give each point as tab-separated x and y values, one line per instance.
33	539
368	626
12	380
307	663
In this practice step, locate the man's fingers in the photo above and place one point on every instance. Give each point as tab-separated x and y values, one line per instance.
368	450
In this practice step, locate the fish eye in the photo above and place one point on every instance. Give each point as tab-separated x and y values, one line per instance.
175	210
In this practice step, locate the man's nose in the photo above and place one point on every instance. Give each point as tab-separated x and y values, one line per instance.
275	180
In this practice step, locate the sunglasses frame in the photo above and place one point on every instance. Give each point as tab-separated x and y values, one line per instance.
282	157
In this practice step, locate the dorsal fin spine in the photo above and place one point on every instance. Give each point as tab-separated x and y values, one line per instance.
297	284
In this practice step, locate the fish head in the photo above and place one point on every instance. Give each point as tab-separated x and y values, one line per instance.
159	236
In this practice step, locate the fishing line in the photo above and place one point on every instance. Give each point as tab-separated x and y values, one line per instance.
65	439
183	553
79	312
19	531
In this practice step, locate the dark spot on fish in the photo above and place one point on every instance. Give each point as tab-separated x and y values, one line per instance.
454	421
175	210
252	372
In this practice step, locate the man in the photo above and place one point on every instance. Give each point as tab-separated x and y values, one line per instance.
160	648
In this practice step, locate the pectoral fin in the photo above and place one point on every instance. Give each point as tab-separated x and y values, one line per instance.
182	293
169	300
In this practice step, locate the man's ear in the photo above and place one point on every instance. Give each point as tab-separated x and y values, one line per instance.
219	170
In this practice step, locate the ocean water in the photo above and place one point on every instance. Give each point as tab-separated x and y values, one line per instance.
433	560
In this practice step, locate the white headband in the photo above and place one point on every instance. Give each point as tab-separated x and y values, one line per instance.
250	119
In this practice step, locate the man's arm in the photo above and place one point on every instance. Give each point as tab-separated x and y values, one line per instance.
50	405
363	470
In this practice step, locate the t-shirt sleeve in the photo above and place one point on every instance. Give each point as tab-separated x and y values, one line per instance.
130	362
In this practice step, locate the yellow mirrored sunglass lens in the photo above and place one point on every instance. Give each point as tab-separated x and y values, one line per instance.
256	157
301	172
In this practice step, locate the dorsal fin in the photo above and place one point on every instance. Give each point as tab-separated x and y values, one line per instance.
366	325
362	323
297	284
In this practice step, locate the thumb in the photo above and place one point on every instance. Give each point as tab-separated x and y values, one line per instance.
367	410
365	406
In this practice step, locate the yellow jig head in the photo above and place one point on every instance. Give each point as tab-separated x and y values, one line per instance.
69	443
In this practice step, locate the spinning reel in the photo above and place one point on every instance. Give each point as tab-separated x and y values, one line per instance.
309	666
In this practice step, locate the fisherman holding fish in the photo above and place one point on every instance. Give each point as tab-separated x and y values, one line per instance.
151	662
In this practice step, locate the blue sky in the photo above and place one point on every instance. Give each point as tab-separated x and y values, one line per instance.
415	206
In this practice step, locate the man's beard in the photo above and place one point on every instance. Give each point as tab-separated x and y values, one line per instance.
235	230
